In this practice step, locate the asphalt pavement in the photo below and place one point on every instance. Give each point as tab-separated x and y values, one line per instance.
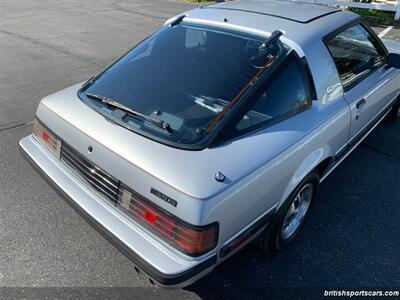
351	239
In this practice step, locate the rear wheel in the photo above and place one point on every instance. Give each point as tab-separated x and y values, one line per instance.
290	218
394	112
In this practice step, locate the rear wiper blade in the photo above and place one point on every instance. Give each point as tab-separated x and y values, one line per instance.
159	123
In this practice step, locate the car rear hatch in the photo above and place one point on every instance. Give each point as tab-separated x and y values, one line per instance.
106	155
187	177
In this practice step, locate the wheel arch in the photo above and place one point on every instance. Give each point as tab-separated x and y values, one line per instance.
319	160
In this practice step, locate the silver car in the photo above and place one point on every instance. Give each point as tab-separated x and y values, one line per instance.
215	131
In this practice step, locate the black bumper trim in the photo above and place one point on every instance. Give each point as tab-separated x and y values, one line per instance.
149	270
256	227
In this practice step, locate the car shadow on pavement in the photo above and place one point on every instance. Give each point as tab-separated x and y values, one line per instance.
350	240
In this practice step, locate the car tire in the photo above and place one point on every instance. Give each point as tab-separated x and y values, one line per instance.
394	112
278	234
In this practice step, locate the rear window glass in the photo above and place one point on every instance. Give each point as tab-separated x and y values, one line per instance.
184	75
284	95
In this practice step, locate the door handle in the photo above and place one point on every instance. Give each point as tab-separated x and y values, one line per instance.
360	104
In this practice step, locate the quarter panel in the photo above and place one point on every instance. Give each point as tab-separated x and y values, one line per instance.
268	186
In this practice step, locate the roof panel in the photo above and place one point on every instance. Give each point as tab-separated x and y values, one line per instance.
295	11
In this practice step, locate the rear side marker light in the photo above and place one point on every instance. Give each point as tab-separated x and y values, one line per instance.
189	239
245	236
47	138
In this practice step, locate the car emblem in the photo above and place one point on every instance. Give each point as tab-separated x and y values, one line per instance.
163	197
90	149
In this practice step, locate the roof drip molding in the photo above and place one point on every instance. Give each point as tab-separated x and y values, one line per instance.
292	11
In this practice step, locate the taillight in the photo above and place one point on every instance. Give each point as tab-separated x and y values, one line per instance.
191	240
47	138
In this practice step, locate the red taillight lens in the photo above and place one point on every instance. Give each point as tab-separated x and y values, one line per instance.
189	239
47	138
154	218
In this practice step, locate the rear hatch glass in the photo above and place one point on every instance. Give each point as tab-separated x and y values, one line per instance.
184	75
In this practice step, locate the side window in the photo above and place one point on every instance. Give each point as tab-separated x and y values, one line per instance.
284	94
356	53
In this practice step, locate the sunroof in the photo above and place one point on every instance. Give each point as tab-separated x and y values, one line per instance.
294	11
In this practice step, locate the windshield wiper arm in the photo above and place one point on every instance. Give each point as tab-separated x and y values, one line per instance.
272	38
159	123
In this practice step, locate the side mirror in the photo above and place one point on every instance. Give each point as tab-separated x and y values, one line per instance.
393	60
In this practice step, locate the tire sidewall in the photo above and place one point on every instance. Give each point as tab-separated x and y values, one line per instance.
278	242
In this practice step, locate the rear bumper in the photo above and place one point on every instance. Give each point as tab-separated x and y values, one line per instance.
163	265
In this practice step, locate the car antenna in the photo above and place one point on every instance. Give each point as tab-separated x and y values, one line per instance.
178	20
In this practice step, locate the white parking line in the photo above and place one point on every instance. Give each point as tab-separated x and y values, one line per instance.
384	32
